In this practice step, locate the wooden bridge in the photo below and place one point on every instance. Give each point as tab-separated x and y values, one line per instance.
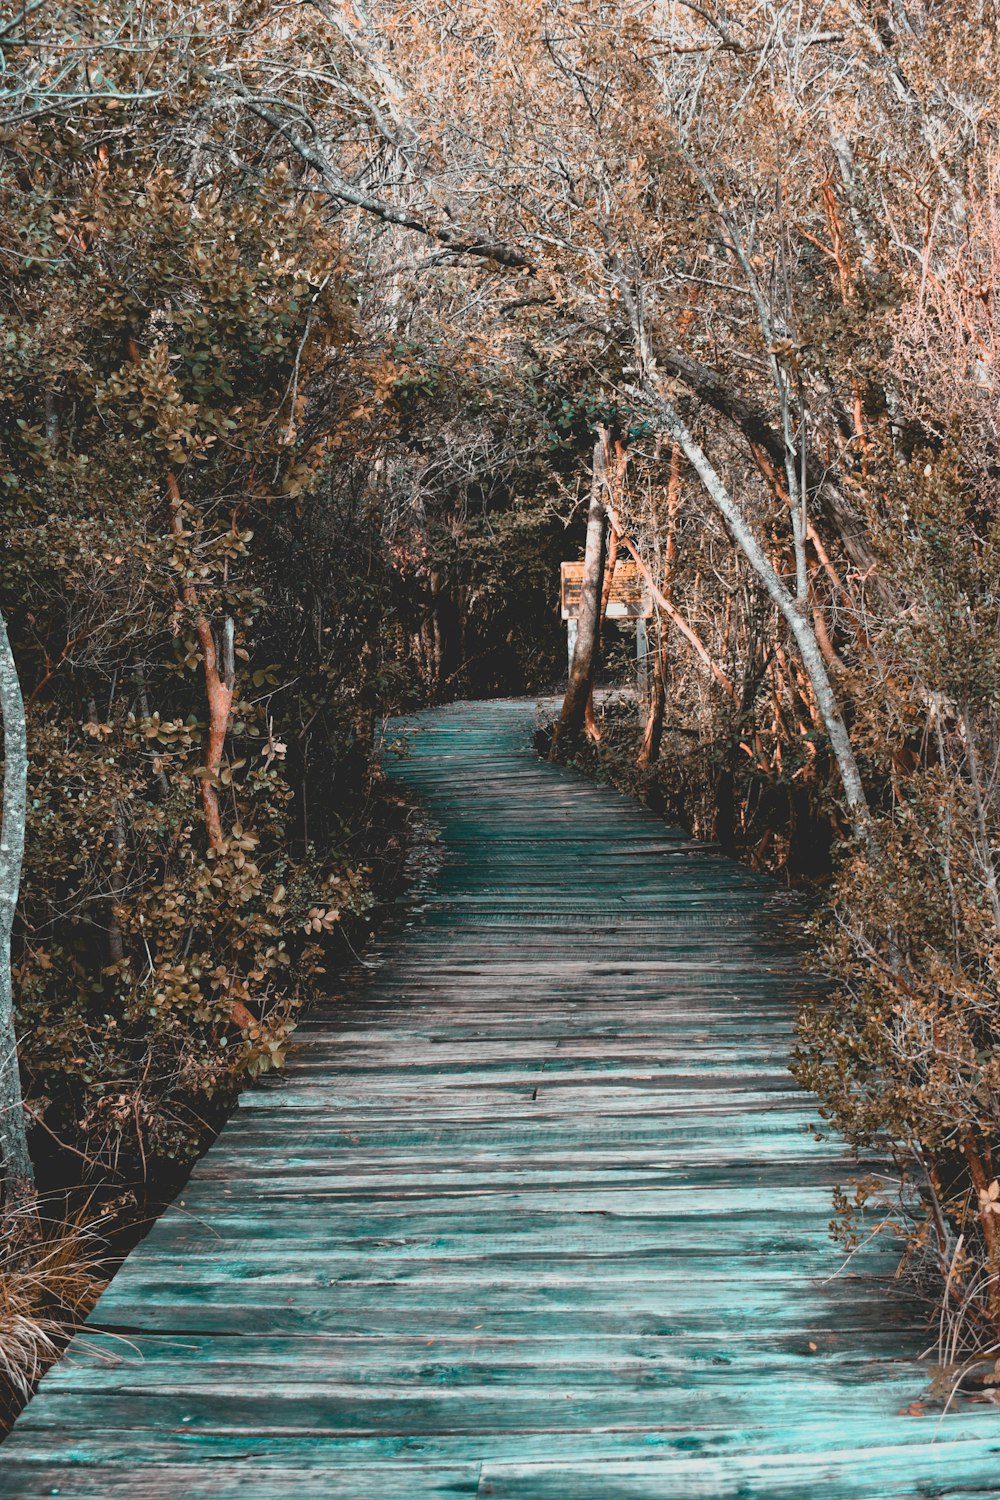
535	1212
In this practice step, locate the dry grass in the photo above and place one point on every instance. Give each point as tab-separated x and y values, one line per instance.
51	1272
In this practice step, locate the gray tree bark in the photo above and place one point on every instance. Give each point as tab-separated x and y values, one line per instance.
17	1167
795	617
581	676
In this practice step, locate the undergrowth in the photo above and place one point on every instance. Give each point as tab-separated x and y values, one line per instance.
53	1266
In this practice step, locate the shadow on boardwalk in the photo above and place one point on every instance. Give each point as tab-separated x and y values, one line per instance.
534	1213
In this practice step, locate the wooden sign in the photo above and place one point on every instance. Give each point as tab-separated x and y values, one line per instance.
629	599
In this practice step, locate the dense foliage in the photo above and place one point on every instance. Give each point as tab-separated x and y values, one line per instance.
158	497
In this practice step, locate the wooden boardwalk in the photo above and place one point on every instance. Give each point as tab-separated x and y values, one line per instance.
535	1212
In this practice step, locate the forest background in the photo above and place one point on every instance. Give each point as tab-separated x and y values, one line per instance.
328	329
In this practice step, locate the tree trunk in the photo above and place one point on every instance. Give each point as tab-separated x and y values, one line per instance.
436	635
649	750
591	727
581	676
18	1172
801	628
116	941
219	664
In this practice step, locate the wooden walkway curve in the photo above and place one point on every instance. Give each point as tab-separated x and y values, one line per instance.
535	1212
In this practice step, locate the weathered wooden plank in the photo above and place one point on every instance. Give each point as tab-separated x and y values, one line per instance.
958	1471
109	1363
565	1445
222	1480
535	1213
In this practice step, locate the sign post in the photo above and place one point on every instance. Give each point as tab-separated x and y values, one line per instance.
629	599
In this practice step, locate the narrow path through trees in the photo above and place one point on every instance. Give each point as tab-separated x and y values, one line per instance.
534	1213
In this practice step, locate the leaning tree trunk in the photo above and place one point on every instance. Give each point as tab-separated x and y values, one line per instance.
581	675
649	750
17	1169
799	626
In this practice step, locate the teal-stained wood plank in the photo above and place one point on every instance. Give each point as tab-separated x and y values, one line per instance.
217	1479
536	1211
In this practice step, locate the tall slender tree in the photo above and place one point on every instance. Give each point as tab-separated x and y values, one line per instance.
584	663
17	1167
